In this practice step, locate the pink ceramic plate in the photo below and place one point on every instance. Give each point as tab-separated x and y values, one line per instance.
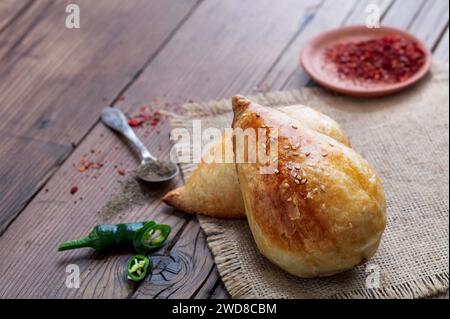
313	61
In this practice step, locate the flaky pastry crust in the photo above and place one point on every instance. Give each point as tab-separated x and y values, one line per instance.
323	211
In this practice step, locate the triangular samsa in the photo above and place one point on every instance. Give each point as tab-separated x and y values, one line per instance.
322	210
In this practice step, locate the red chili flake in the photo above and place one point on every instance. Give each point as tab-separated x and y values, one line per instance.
85	164
121	171
73	189
389	59
135	121
143	116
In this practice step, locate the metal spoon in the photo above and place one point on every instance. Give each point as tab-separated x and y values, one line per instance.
115	120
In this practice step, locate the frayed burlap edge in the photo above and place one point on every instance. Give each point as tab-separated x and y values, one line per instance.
230	269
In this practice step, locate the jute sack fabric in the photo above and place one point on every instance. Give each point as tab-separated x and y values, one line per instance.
406	138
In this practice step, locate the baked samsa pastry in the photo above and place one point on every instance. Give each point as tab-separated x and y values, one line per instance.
213	189
322	211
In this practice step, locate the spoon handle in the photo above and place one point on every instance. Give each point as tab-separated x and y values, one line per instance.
115	120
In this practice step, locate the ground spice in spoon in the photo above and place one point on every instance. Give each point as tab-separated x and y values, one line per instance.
155	170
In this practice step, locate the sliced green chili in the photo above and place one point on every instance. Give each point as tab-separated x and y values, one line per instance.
138	267
104	237
151	236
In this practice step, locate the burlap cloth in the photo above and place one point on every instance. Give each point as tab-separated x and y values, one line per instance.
406	138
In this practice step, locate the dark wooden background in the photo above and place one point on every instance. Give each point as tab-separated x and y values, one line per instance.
55	81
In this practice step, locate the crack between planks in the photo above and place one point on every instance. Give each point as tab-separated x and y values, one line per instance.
414	18
439	38
156	53
307	18
347	16
388	8
47	176
215	287
203	283
58	164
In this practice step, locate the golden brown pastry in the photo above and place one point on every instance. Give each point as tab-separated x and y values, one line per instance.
323	211
213	189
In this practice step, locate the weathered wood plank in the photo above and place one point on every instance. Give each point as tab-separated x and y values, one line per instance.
55	81
431	21
401	17
11	10
230	55
441	52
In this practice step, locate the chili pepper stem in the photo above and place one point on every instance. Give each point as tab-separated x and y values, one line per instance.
75	244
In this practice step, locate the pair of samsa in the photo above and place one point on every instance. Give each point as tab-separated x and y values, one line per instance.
321	212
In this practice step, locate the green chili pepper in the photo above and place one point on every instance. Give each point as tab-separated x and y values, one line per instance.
151	236
104	237
138	267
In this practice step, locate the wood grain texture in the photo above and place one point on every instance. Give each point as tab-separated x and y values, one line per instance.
11	10
54	81
431	22
227	46
441	52
401	18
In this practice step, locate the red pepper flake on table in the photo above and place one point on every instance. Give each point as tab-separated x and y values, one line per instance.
73	189
145	116
86	164
389	59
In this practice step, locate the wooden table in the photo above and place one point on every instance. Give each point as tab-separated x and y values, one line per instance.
55	81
